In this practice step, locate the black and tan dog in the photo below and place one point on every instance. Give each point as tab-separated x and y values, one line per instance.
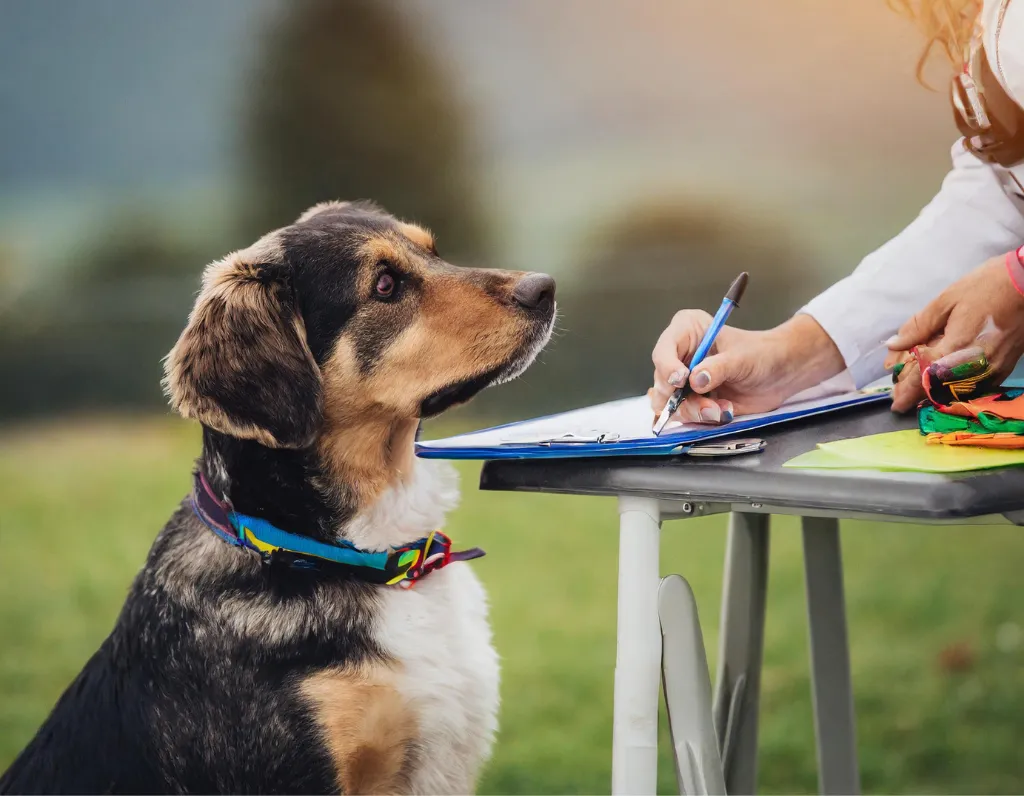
245	664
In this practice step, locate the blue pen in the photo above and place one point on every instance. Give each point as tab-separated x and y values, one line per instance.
729	303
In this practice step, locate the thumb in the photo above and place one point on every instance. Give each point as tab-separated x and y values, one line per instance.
952	352
922	327
716	370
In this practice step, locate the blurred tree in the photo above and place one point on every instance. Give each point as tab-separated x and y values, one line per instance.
8	277
95	340
347	103
635	270
136	245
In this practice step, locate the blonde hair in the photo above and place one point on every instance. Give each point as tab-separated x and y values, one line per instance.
947	26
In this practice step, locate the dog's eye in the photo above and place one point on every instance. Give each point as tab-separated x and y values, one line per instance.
386	285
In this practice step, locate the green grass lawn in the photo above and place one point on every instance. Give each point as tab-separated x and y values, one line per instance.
936	617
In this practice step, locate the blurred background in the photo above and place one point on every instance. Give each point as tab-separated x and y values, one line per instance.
642	152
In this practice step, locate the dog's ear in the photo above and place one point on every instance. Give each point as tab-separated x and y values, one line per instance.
242	365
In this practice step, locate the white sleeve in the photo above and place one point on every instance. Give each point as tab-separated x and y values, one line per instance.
1002	26
970	220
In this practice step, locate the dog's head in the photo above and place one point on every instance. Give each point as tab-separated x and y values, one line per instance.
348	317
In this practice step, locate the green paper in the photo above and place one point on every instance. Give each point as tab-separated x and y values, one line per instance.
905	451
819	459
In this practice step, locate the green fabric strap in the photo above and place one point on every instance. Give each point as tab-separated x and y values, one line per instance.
931	420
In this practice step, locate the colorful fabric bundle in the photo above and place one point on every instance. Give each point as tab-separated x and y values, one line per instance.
956	377
960	410
968	423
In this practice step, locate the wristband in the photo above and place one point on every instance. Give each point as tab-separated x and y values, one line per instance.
1015	268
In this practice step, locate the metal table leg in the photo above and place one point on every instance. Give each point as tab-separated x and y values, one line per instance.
688	691
638	650
741	643
834	724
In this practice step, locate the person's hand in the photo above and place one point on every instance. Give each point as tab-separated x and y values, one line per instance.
984	309
745	372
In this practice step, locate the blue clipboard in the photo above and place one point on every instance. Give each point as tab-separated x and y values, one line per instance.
555	437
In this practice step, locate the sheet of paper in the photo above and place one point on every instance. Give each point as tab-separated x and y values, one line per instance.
631	419
839	384
903	451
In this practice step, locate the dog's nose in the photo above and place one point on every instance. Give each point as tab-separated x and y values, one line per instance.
534	291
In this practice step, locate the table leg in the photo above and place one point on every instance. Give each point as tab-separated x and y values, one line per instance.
638	650
834	725
741	643
688	691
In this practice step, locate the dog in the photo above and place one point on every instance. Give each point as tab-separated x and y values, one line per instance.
270	643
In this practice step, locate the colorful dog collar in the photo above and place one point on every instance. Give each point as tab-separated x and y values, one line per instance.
401	566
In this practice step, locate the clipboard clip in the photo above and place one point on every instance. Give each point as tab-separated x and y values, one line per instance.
598	438
726	447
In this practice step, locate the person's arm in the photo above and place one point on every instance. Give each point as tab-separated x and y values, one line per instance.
970	220
984	309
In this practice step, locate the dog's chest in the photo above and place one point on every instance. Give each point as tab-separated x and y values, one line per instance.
439	635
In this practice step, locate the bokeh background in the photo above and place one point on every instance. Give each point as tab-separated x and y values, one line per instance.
642	152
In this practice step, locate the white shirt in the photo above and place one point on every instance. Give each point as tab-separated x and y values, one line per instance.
1002	31
977	214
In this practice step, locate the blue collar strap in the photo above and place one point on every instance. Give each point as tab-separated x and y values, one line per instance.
400	566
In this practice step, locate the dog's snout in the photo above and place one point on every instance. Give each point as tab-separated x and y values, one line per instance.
534	291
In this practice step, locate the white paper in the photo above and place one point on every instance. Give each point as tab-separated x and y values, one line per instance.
632	419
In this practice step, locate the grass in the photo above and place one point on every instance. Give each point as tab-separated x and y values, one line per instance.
936	617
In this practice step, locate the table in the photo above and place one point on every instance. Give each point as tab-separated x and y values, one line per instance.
658	631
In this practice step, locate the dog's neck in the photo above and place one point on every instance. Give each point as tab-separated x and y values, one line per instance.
377	496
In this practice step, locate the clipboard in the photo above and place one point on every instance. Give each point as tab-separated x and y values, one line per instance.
623	428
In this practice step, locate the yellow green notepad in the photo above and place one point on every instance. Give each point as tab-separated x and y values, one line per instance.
903	451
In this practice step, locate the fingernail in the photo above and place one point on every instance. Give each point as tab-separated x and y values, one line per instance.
711	414
726	416
678	378
701	380
890	342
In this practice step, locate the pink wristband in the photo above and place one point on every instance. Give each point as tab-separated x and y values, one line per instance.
1015	268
